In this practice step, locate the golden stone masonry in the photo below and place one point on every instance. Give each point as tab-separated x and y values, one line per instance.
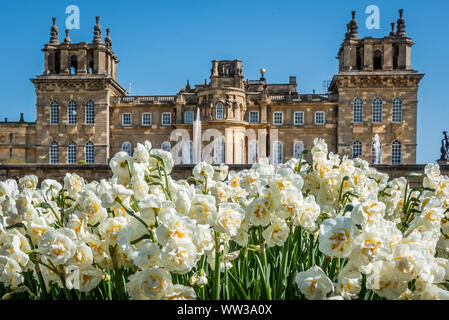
83	114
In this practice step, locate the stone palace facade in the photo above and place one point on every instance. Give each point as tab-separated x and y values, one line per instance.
84	114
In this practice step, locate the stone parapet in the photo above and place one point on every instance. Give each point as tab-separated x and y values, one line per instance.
102	171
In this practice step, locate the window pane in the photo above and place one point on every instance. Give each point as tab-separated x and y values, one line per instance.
254	116
278	153
218	151
219	111
90	156
54	152
71	152
166	146
71	112
299	118
146	119
188	117
252	152
126	147
396	153
397	110
319	117
166	119
358	110
298	149
277	118
356	149
377	110
126	119
54	112
90	112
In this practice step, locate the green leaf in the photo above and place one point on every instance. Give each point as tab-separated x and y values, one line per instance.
239	287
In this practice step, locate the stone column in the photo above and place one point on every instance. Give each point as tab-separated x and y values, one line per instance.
262	141
388	56
368	57
229	146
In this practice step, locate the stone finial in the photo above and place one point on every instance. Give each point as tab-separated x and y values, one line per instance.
262	74
188	85
67	38
108	39
54	33
347	34
401	25
97	31
353	28
21	117
393	32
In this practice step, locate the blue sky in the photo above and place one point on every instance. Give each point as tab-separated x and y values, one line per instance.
161	44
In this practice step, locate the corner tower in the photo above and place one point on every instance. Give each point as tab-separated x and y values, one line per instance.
377	91
73	98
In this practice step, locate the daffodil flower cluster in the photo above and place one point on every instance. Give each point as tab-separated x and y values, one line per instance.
329	229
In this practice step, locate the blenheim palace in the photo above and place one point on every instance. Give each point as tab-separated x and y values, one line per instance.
84	114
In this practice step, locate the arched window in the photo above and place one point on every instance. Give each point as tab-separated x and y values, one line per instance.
356	149
90	112
358	110
71	152
397	110
54	112
278	155
187	152
71	112
396	152
377	110
359	58
253	154
90	153
298	148
73	65
219	111
54	152
166	146
126	147
377	60
395	57
218	151
373	154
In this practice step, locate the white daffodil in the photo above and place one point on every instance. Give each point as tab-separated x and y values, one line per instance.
276	234
229	218
148	255
110	228
175	226
180	292
165	156
121	165
203	171
10	272
336	236
142	153
314	284
369	212
308	214
149	284
203	209
179	255
349	282
58	246
84	278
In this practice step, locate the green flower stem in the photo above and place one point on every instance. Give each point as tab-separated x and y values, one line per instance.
216	287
